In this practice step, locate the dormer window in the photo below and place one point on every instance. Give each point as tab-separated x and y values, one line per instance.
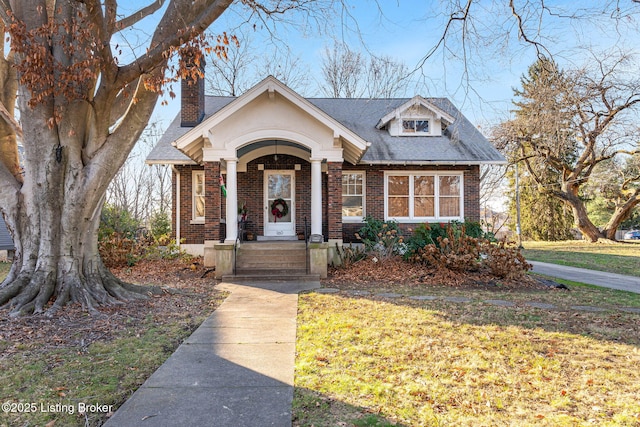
415	126
416	117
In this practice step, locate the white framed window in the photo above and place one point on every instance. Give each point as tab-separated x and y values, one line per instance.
353	196
198	196
424	196
415	126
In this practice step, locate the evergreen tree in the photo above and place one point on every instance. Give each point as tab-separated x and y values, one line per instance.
570	124
540	113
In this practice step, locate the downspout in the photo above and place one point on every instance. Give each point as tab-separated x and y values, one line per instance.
178	203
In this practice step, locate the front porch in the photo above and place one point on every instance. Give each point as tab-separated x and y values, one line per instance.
269	260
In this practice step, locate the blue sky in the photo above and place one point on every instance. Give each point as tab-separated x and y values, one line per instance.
406	30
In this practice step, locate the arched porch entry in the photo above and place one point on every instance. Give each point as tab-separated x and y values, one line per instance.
278	185
241	141
274	184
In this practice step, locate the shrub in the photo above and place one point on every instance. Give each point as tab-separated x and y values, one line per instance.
349	255
505	260
455	251
116	220
429	233
160	225
122	241
382	237
118	250
460	251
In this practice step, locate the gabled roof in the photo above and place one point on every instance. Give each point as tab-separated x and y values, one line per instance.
192	142
359	119
460	142
416	101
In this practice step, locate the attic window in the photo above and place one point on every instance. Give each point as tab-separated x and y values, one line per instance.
415	126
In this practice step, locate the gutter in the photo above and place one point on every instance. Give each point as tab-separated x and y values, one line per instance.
434	162
177	202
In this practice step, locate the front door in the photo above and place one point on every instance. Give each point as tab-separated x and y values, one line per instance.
279	203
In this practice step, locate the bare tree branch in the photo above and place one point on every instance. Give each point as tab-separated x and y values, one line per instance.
139	15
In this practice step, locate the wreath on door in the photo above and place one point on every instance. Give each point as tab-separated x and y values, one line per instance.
279	208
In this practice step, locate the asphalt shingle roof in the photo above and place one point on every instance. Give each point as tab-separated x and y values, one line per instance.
6	243
461	142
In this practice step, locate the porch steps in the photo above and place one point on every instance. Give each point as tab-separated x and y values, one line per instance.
274	260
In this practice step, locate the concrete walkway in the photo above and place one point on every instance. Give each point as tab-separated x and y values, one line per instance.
591	277
235	370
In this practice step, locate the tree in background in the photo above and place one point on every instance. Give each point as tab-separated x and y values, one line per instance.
567	123
542	216
350	74
242	68
606	190
139	189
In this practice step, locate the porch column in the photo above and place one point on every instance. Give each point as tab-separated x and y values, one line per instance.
232	200
316	196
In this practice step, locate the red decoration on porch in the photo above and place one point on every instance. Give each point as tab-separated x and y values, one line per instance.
279	209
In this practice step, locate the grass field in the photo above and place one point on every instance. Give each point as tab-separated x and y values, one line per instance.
621	258
4	270
373	362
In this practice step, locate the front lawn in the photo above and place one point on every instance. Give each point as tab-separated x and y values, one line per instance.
380	361
55	365
4	270
621	258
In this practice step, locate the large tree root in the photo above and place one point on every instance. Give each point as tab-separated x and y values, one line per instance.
40	292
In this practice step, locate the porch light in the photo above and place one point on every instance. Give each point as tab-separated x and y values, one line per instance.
275	156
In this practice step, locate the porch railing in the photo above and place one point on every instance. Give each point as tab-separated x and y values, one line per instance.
241	227
306	244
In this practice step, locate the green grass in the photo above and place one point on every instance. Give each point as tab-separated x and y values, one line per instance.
373	362
105	373
4	270
75	358
621	258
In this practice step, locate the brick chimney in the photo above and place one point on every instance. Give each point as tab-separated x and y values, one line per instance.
192	96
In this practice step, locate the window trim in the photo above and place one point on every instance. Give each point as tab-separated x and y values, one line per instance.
436	175
197	219
364	197
415	119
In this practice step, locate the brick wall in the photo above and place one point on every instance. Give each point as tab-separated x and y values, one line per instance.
334	200
251	191
375	192
192	100
191	233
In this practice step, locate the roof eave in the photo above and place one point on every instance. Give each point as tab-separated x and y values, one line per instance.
170	162
434	162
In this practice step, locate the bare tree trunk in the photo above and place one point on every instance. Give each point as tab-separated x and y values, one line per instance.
621	213
570	196
57	261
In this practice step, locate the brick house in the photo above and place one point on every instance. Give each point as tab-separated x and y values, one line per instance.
324	162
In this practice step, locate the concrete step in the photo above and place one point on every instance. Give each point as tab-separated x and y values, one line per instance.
272	245
277	266
274	255
272	259
250	277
